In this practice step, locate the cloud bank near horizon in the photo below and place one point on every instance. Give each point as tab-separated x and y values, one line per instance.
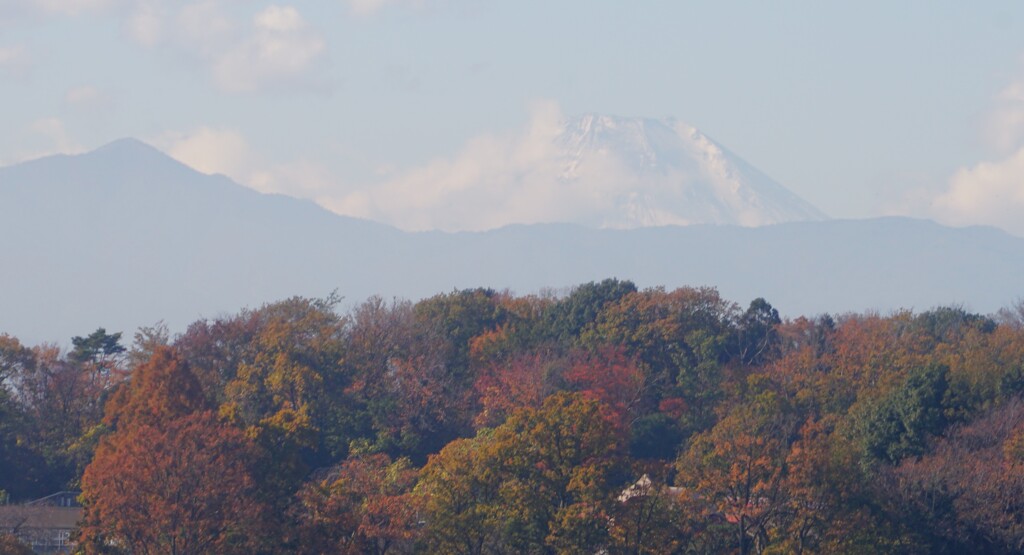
497	179
601	172
991	192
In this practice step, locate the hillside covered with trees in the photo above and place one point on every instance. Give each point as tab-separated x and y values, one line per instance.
608	420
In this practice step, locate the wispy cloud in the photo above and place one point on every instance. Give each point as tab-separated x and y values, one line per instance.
1005	127
72	7
242	50
15	59
222	150
86	97
145	23
45	137
19	12
274	48
54	130
281	50
370	7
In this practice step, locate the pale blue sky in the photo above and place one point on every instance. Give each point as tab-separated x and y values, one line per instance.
863	109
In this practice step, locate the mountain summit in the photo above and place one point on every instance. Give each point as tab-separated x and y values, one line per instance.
669	173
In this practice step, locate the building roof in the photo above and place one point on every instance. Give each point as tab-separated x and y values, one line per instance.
39	517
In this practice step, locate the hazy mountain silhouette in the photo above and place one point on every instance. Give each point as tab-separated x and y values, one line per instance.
124	236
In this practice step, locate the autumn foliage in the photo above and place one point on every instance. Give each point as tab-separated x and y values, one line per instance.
172	478
363	505
181	487
610	419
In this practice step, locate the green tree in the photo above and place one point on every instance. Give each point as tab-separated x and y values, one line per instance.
99	348
900	423
758	337
567	319
680	340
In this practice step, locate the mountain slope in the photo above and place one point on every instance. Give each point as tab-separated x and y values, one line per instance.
124	236
669	173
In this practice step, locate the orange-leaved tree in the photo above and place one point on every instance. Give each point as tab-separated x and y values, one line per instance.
735	472
171	478
363	505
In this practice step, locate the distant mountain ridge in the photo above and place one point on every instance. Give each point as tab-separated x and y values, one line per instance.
124	236
673	175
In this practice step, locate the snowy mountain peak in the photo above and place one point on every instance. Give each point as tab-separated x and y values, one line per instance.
669	173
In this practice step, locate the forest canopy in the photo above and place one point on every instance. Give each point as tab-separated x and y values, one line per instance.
609	419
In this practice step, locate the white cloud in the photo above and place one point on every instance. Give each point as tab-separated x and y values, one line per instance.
15	59
205	27
300	178
219	150
370	7
275	48
282	49
84	96
145	24
495	180
45	137
210	150
1005	127
990	193
243	51
71	7
54	130
282	19
13	12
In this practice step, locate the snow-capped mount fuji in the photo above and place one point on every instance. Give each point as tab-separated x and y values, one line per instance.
653	172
